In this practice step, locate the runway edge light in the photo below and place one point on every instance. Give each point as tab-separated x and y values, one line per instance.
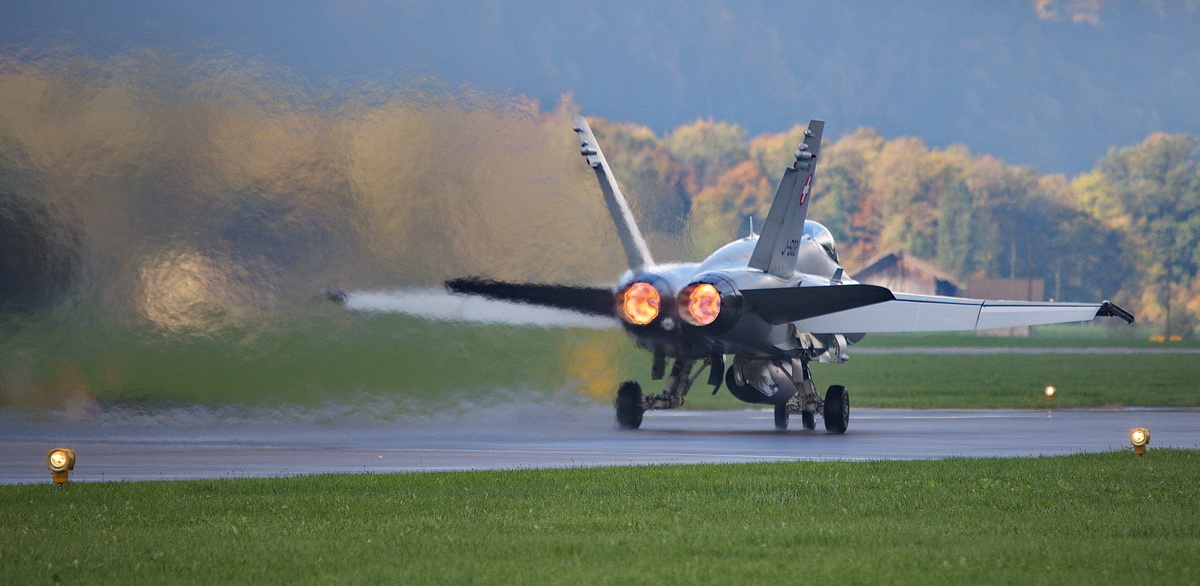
60	462
1140	438
1049	393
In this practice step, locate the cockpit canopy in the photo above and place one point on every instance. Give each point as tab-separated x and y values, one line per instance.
821	235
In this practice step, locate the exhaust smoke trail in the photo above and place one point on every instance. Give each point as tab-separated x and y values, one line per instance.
167	226
436	304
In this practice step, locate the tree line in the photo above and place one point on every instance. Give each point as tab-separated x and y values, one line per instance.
148	186
1128	230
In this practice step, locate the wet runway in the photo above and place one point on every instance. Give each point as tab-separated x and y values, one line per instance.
183	445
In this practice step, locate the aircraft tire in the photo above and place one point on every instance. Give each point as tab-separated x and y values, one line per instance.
629	405
809	419
837	409
781	417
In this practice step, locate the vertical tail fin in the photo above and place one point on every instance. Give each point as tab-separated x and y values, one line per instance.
631	238
779	241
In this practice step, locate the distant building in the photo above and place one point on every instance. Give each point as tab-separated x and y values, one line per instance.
902	272
1008	290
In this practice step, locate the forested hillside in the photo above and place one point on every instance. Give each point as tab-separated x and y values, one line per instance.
1128	230
1044	83
182	192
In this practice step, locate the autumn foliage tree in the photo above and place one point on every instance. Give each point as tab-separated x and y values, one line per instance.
227	182
1128	230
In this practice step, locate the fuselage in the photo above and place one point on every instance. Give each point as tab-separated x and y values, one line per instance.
737	329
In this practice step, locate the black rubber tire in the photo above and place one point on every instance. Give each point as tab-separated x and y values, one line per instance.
809	419
837	409
629	405
781	417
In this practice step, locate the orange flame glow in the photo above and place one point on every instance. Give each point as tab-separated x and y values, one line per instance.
639	303
701	304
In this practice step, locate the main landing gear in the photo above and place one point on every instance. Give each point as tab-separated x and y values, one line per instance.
631	405
782	414
835	408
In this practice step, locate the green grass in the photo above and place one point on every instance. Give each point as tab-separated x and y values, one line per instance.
1116	335
402	365
1003	381
1101	518
329	356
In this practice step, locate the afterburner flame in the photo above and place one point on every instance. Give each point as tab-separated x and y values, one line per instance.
701	303
639	303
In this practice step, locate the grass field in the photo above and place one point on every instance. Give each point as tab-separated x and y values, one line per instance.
1004	381
1111	335
1101	518
1081	519
402	365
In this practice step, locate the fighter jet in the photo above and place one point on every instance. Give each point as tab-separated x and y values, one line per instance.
759	310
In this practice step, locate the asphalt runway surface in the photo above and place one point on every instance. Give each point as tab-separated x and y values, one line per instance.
189	443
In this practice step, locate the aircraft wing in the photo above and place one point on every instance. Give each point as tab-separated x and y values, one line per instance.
930	313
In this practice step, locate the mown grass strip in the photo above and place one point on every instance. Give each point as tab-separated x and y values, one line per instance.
1109	335
1081	519
416	366
927	381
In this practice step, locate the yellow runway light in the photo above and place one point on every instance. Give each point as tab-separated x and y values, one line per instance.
1140	438
1049	393
60	462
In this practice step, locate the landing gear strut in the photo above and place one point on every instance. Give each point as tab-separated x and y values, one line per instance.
835	409
806	401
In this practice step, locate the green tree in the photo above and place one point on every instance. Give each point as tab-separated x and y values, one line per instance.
1158	185
656	182
720	210
711	148
956	224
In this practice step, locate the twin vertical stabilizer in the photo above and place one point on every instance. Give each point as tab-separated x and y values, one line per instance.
631	238
779	242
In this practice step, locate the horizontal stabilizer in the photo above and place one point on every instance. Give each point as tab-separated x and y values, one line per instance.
587	300
929	313
780	306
